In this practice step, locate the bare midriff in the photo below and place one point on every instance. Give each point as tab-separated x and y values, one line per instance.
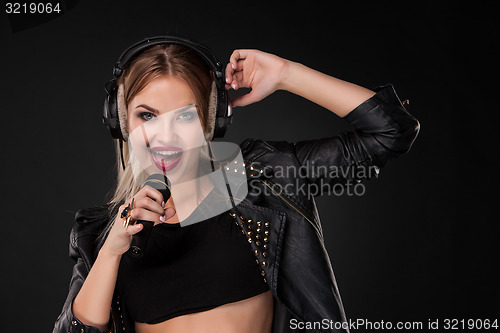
254	314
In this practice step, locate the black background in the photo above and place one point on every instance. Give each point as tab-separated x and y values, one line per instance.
420	244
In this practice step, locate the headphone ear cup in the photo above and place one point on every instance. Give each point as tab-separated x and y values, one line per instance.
223	115
110	114
212	112
121	111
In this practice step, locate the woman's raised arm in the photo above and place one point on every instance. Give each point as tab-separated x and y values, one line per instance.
383	129
266	73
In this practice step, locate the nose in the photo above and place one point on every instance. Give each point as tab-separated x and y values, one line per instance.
162	130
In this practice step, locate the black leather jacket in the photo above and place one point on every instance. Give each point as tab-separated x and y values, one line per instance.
291	255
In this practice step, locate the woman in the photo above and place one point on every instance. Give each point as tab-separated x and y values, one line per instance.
259	266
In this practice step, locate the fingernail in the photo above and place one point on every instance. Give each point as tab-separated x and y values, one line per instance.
139	225
163	204
163	218
233	85
227	79
233	66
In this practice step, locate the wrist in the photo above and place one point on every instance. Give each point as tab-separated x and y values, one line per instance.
107	253
288	74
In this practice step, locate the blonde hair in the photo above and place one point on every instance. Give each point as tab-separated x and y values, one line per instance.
165	59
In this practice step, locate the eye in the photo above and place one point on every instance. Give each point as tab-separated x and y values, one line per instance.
146	116
189	115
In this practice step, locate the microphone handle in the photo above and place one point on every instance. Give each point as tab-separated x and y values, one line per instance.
140	239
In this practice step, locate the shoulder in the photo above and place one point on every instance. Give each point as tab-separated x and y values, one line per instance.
89	220
89	223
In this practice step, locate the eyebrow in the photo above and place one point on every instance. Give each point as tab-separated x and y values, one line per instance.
148	108
181	109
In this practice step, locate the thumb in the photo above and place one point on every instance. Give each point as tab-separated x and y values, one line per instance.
135	228
169	212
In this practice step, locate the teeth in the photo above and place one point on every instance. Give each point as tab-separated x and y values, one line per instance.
167	153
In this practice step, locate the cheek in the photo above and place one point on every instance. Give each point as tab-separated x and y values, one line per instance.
138	144
191	134
132	123
198	137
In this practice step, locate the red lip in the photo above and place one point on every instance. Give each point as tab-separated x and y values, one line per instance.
166	162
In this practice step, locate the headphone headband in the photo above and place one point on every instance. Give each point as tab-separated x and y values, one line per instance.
201	50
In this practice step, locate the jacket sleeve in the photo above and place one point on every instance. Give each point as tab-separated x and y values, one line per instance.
382	130
67	322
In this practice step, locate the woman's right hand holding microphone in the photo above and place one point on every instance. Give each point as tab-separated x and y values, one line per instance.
91	305
147	205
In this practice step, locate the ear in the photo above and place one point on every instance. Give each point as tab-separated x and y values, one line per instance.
122	111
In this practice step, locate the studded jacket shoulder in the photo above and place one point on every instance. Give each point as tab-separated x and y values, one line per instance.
280	204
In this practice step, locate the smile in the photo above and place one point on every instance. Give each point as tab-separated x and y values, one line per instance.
166	158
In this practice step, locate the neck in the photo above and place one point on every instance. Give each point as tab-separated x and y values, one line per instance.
187	196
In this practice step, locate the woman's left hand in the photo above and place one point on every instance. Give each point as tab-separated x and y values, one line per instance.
263	72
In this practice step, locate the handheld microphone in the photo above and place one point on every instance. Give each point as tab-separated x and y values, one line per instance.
140	240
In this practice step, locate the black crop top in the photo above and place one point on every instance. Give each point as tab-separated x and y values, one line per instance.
189	269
